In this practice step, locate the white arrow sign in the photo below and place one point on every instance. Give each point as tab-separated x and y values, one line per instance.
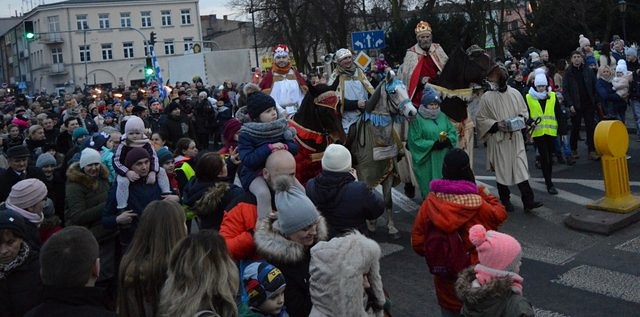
359	44
368	40
379	42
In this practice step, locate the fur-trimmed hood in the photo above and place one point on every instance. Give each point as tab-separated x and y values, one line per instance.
490	299
337	268
76	175
274	247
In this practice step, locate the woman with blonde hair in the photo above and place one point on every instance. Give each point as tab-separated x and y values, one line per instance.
202	279
143	269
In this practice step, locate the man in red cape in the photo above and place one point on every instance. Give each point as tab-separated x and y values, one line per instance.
283	83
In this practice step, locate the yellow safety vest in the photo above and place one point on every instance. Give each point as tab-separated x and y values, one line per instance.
187	170
549	124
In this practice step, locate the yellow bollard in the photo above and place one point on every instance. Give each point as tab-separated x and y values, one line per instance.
612	141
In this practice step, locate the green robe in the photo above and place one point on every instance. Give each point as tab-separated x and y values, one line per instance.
427	162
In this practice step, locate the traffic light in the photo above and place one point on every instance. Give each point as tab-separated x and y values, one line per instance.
29	34
148	68
152	38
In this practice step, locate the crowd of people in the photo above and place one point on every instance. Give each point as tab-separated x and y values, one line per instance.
102	189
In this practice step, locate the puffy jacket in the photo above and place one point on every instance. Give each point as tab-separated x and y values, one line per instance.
344	202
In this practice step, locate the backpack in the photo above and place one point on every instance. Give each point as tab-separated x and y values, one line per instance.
444	253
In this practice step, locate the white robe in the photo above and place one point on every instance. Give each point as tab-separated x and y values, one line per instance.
505	150
287	92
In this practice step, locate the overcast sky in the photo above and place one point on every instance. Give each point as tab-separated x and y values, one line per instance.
219	7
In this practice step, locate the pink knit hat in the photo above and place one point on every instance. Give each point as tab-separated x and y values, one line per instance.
496	250
27	193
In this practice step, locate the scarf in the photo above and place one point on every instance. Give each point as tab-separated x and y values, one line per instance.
33	218
349	71
425	112
268	130
5	269
537	95
485	274
281	70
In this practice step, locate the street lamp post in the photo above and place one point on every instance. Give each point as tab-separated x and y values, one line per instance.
255	38
622	6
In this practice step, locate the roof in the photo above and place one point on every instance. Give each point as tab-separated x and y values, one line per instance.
9	23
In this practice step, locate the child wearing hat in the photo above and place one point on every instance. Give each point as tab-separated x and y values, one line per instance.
264	287
134	137
267	132
430	136
493	287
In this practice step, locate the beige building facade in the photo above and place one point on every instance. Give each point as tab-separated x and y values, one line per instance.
89	42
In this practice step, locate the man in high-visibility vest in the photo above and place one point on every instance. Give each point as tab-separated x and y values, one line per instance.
543	111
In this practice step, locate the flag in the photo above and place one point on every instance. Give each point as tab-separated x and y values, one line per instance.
158	72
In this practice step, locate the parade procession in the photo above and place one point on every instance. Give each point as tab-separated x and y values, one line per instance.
350	158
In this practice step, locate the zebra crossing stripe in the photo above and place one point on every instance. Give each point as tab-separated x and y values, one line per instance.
546	313
602	281
632	245
547	254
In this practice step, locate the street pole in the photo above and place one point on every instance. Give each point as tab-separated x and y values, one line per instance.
255	38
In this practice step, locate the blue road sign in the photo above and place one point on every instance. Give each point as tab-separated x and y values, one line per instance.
367	40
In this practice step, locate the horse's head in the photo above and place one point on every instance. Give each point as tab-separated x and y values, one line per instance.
323	115
398	97
477	65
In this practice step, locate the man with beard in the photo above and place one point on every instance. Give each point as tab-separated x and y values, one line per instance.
50	131
422	62
506	155
154	114
283	83
351	84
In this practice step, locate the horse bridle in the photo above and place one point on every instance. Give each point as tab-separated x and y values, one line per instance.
392	105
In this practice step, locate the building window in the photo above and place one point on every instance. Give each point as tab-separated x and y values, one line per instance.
81	21
56	55
146	48
54	23
185	15
168	48
107	52
103	20
85	53
128	50
146	19
166	17
125	19
188	44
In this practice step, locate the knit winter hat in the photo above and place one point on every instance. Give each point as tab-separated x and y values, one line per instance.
336	158
631	51
134	155
45	159
540	80
534	56
583	41
97	140
295	210
429	96
621	67
342	53
78	133
27	193
261	280
89	156
34	128
230	129
10	220
134	123
257	101
164	155
496	250
456	166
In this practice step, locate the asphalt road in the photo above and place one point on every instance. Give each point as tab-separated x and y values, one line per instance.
566	272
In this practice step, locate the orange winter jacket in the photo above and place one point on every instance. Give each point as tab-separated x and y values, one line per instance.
238	225
453	205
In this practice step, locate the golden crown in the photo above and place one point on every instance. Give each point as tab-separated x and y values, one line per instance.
423	27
